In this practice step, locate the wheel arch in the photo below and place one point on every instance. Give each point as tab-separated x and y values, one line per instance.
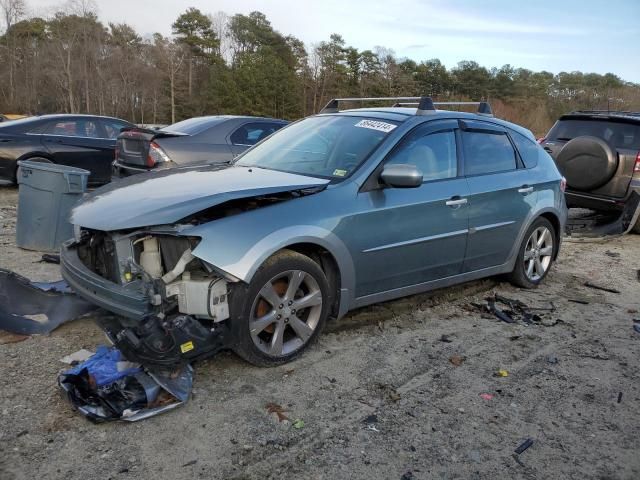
557	226
329	266
309	240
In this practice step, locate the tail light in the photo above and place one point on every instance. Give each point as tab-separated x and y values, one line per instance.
156	155
563	182
636	167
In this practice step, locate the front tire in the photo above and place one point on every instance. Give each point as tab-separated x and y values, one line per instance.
536	255
282	311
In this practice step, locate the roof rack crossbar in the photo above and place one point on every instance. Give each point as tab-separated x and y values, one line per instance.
426	105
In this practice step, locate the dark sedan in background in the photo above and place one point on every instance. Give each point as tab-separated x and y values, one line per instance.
199	140
84	141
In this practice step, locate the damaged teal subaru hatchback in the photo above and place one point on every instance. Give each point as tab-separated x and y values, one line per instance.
331	213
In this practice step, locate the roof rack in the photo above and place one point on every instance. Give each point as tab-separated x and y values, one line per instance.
425	105
606	112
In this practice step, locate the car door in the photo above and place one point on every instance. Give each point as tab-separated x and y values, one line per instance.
500	194
407	236
80	142
248	134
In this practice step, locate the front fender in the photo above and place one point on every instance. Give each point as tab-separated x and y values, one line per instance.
242	253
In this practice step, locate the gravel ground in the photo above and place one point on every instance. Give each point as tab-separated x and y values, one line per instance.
378	393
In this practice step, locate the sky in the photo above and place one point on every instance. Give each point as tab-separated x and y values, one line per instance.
554	35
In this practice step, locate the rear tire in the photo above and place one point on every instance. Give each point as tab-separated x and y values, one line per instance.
535	255
282	310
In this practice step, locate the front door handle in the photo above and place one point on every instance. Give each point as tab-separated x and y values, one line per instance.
456	202
525	190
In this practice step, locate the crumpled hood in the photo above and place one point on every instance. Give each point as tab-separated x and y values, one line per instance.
164	197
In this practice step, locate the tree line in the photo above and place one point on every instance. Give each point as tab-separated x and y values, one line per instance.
239	64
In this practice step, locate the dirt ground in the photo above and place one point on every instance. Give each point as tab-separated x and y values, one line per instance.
378	394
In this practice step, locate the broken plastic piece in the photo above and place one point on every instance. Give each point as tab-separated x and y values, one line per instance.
486	396
76	357
29	308
298	424
50	258
102	390
502	373
523	446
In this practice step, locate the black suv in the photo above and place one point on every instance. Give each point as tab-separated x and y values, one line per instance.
598	152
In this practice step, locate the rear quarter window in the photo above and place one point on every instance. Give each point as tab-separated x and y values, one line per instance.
529	150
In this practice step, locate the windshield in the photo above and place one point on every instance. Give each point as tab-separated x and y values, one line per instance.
193	126
326	146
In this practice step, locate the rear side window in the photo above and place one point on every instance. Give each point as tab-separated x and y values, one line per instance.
252	133
487	153
528	149
620	135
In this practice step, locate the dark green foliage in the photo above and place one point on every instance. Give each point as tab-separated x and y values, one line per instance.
240	65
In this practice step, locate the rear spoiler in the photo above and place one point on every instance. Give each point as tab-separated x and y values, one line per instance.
148	133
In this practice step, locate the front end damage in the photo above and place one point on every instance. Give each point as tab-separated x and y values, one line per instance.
170	307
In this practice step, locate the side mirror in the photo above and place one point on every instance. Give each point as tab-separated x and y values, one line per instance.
401	176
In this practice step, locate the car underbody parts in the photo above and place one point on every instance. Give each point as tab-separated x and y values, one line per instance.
29	308
105	387
605	225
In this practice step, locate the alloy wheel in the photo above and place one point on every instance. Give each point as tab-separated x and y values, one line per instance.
285	313
537	253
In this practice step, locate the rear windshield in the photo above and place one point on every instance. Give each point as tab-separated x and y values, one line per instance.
619	135
193	126
325	146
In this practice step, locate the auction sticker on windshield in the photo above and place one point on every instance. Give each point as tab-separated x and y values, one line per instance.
376	125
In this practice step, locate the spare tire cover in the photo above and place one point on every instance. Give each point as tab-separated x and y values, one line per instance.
587	163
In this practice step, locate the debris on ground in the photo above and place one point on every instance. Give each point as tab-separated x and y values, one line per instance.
619	397
502	373
278	410
77	357
29	308
50	258
636	327
552	359
515	311
298	424
486	396
523	446
601	287
107	387
612	254
457	360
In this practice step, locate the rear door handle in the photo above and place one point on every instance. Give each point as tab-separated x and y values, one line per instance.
525	190
456	201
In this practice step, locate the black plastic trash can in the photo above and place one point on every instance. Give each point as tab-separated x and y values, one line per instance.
46	195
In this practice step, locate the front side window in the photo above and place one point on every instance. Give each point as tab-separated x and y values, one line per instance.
325	146
74	128
487	153
433	154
